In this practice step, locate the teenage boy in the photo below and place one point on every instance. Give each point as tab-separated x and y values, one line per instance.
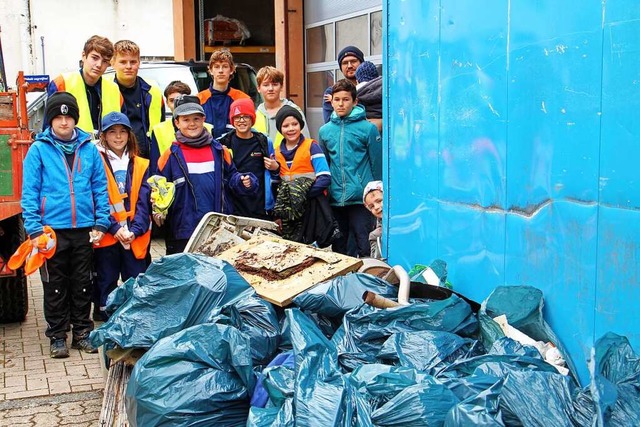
202	172
270	81
252	152
349	59
164	133
65	187
217	99
354	151
96	97
143	101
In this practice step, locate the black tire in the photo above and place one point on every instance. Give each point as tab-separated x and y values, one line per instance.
14	298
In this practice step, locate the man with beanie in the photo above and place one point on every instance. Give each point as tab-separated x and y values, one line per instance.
349	59
96	97
252	152
65	188
203	174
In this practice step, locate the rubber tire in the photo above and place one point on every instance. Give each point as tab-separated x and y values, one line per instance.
14	297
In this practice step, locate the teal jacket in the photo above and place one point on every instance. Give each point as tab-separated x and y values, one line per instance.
353	149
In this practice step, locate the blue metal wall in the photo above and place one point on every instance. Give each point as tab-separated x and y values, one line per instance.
512	136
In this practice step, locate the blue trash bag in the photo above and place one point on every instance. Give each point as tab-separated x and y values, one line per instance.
273	416
275	382
615	381
534	398
335	297
176	292
119	295
319	397
481	410
257	319
371	386
523	307
424	404
427	351
365	329
199	376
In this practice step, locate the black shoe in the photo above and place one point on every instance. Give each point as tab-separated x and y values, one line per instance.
83	344
58	348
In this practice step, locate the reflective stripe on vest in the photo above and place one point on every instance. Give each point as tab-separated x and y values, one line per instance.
301	165
165	134
109	98
140	243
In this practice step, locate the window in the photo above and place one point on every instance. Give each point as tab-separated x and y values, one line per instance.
320	42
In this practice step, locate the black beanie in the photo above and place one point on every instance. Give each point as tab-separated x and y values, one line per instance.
61	104
288	111
350	51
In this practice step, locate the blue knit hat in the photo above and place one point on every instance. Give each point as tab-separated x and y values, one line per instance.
366	72
350	51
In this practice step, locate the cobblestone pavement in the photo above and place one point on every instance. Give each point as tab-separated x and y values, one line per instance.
36	390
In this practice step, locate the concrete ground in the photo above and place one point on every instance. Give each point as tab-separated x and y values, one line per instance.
36	390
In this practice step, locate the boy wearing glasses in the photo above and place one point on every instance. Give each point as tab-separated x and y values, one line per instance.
253	153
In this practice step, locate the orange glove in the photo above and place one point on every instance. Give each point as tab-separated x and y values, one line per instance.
33	255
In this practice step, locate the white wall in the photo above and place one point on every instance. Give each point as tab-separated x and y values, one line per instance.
67	24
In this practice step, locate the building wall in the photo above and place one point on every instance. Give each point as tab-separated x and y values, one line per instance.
329	26
67	24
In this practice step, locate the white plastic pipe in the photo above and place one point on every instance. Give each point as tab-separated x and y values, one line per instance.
405	284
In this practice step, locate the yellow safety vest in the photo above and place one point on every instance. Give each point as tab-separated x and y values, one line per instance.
155	109
261	126
110	98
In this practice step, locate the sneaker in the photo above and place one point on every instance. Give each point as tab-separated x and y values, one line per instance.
59	349
83	344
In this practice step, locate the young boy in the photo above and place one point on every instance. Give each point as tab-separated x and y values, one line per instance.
217	99
252	152
96	96
270	81
305	177
164	133
202	172
353	148
65	187
372	199
143	102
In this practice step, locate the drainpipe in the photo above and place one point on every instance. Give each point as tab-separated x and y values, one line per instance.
44	69
26	45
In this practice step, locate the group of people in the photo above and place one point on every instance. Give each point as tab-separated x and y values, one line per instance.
89	174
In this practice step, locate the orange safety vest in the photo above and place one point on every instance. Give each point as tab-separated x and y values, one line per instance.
141	243
301	165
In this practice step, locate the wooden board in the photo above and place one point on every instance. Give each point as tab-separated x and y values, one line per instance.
273	256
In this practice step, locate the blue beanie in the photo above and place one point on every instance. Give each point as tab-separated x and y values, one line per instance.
366	72
350	51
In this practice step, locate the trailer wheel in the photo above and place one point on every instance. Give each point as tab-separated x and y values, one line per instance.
14	299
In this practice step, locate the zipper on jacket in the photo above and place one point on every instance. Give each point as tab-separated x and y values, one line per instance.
344	182
42	205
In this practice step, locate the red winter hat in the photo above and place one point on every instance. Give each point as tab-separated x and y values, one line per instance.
242	107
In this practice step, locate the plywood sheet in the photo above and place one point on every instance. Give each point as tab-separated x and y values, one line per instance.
279	269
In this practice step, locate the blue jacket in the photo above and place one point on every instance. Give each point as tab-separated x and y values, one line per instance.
63	198
353	149
183	214
270	177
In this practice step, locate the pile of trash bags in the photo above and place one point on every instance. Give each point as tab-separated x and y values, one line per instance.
218	354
